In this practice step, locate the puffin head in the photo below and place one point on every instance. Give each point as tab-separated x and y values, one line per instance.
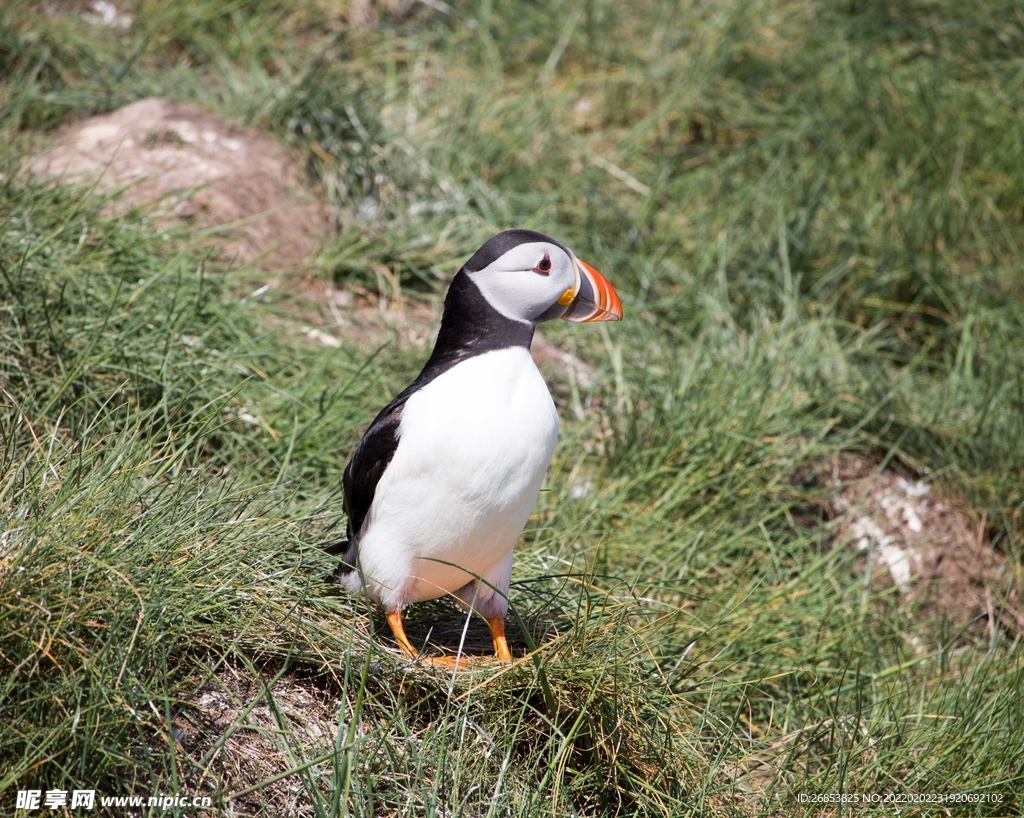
530	277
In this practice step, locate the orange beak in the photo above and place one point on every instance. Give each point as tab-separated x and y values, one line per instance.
595	299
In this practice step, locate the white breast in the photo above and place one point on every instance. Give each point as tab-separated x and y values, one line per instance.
474	445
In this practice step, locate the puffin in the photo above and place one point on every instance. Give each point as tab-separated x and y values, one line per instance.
441	486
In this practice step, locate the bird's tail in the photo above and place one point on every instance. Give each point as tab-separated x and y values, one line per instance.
347	550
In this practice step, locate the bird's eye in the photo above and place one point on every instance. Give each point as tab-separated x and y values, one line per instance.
544	265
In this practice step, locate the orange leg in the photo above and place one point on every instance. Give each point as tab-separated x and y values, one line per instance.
497	626
395	621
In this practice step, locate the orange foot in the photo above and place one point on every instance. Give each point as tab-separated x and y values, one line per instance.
496	624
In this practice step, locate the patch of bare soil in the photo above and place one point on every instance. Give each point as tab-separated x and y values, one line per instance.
924	543
193	167
252	738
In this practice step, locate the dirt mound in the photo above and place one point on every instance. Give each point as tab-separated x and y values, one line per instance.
926	544
237	725
189	165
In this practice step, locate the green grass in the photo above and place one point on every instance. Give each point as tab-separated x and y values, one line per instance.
813	214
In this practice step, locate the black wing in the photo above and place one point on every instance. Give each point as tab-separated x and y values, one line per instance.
369	460
363	473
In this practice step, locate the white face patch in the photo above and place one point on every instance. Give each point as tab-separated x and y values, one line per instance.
516	285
